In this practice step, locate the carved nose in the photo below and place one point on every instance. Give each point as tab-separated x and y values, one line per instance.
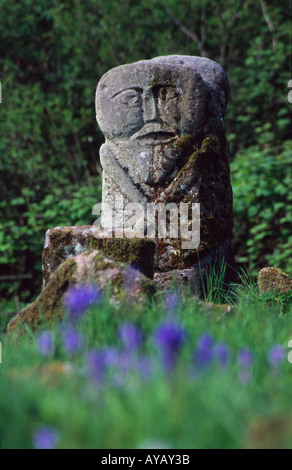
150	108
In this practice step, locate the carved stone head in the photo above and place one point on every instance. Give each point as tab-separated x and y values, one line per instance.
159	100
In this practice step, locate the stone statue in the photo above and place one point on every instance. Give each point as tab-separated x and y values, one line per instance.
163	122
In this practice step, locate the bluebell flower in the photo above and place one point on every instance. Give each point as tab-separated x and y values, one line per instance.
276	356
131	336
145	368
131	278
245	360
245	357
96	360
204	350
221	352
72	340
171	302
80	298
46	343
169	337
45	438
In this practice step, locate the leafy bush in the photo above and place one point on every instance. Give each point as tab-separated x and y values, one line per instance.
262	181
22	235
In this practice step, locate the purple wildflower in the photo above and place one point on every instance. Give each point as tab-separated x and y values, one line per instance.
111	356
45	438
171	301
131	278
71	339
204	350
221	352
169	337
116	364
131	336
81	298
144	367
97	365
245	360
46	343
245	357
276	355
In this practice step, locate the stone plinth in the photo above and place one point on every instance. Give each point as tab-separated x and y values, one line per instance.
62	243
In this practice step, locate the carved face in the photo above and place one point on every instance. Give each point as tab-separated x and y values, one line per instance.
150	103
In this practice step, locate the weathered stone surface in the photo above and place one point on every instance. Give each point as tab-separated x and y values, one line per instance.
195	276
274	280
62	243
88	268
163	122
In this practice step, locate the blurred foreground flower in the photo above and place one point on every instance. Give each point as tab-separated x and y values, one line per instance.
80	298
46	343
169	337
276	356
45	438
130	282
72	340
171	302
221	352
97	365
131	336
245	360
204	350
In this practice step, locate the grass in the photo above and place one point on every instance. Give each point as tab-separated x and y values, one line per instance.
58	398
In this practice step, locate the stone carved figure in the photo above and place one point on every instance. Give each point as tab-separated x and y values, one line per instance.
163	122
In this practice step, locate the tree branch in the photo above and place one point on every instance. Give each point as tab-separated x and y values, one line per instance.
269	24
186	31
226	28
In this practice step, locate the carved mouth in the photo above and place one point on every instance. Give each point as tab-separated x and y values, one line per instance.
154	132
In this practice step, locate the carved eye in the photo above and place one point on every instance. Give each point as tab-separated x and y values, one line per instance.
130	98
162	95
172	93
167	93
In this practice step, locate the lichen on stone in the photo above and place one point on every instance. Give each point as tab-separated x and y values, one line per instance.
272	279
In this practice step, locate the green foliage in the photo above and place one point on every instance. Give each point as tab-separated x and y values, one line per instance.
261	180
52	56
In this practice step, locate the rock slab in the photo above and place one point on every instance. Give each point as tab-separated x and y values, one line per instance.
88	268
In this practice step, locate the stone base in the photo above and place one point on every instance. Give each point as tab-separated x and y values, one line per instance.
62	243
91	268
196	276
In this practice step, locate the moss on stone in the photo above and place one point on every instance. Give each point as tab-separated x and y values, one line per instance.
48	306
137	252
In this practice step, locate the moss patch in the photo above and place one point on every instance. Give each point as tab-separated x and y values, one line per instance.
138	252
